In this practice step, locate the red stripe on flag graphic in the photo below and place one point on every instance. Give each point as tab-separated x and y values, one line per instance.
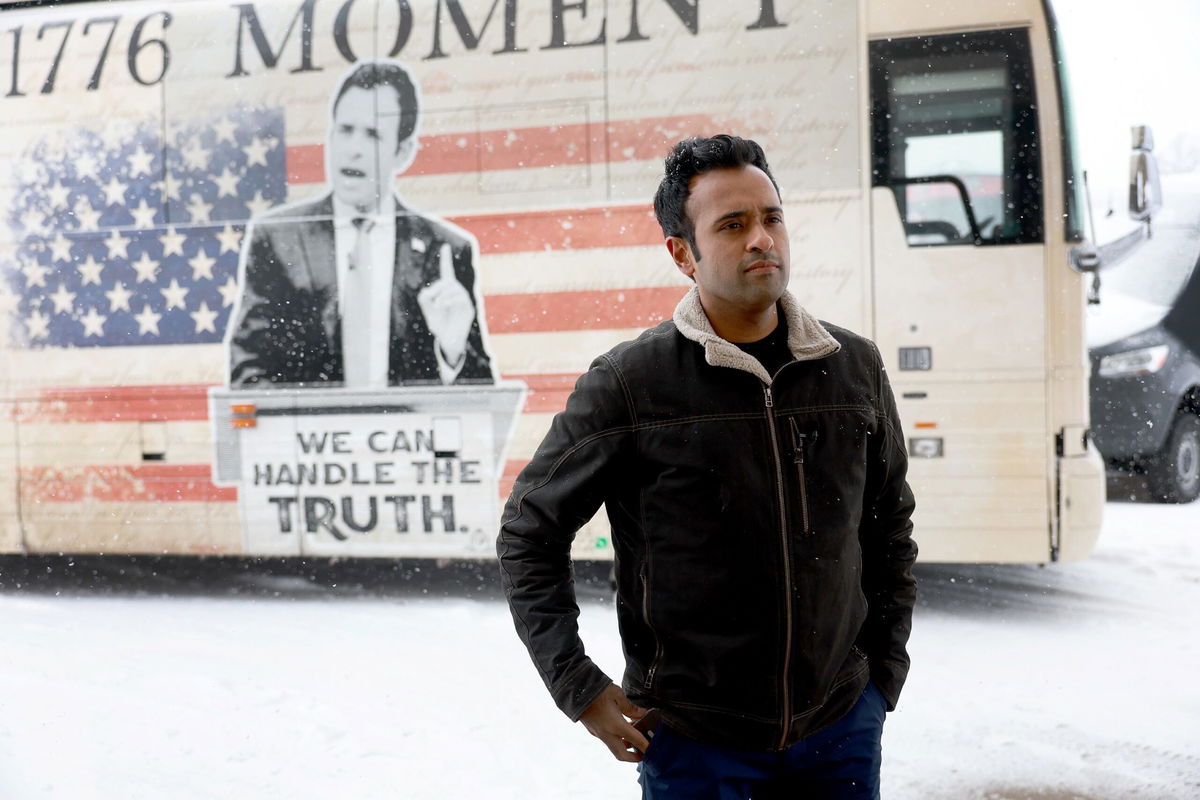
573	229
546	312
152	403
122	484
563	229
147	483
528	148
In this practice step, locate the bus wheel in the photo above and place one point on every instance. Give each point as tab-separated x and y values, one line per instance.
1174	474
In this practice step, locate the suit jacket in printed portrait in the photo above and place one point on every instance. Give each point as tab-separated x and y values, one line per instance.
287	328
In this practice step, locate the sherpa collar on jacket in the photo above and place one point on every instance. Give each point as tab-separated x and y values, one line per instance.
807	338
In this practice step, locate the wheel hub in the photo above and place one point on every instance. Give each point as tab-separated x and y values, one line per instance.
1187	461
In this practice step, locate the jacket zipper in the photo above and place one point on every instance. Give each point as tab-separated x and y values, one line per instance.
785	684
798	441
649	682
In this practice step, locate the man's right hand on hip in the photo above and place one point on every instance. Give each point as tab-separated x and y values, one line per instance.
608	719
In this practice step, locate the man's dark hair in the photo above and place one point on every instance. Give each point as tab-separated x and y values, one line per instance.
370	74
693	157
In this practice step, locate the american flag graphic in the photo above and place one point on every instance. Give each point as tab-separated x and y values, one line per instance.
131	237
120	241
120	235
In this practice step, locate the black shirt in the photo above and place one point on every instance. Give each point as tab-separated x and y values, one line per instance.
772	350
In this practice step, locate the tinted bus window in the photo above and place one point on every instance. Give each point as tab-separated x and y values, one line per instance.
955	137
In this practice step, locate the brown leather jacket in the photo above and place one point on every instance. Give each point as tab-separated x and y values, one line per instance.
760	525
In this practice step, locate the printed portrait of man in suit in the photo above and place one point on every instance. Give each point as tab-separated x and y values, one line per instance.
353	288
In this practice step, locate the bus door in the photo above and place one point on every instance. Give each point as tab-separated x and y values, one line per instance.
958	267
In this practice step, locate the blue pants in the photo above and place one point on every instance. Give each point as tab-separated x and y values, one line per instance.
838	763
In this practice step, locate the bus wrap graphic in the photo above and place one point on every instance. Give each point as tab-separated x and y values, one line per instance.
121	239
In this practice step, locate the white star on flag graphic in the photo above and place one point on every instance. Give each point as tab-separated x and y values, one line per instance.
198	210
89	217
257	205
116	243
114	192
86	166
143	215
171	188
93	323
60	248
140	162
174	295
145	267
227	184
231	240
89	271
35	273
195	156
118	298
256	152
228	292
202	265
147	321
38	324
57	194
204	318
172	242
224	129
62	300
33	221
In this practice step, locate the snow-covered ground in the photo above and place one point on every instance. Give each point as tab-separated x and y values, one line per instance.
129	679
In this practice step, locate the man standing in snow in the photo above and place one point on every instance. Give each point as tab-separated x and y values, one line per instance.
751	462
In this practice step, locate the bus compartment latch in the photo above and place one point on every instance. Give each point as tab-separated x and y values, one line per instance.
1072	441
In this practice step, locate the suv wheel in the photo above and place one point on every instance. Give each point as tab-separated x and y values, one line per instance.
1175	472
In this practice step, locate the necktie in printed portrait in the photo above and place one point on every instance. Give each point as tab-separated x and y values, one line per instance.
357	322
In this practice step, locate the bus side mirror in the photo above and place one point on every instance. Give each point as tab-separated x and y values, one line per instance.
1145	187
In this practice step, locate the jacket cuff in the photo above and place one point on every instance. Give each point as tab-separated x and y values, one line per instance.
579	688
889	679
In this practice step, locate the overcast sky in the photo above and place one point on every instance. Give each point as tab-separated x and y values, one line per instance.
1131	63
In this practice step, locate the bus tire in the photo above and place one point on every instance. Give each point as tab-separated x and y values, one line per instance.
1174	474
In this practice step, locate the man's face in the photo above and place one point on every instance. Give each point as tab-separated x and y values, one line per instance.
743	244
363	148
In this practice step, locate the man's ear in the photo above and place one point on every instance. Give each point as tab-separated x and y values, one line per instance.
681	254
406	151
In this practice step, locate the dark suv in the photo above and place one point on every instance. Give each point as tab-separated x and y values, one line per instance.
1144	340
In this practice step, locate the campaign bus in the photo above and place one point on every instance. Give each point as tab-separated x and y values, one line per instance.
213	345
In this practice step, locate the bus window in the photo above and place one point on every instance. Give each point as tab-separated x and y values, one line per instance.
1074	201
955	137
